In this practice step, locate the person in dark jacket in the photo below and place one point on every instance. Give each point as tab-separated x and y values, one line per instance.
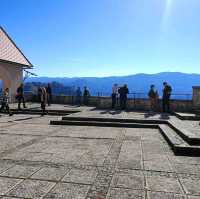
86	95
5	102
20	96
78	96
166	97
49	94
123	92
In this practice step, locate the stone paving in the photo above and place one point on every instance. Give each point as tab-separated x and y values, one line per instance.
78	162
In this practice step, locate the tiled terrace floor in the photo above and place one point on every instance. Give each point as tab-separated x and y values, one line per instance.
73	162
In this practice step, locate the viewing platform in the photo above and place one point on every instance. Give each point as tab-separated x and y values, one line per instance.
88	152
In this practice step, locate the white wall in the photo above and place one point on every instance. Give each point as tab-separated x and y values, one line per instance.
12	76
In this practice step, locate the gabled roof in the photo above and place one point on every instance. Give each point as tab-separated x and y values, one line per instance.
9	52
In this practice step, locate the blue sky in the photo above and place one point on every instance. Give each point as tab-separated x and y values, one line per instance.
105	37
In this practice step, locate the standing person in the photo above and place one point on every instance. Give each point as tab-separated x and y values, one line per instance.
20	96
123	91
153	97
86	95
5	102
114	95
49	94
166	97
78	96
43	99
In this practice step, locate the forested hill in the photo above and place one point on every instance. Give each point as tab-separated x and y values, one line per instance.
180	82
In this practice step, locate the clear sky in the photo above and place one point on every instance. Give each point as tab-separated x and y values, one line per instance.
105	37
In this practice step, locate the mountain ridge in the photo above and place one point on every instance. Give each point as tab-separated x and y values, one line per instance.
180	82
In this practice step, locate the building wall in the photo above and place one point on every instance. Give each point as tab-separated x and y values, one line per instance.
12	76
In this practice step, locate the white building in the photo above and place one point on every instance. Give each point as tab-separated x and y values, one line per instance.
12	63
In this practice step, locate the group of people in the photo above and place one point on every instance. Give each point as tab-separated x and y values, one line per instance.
154	96
86	95
122	92
44	95
118	94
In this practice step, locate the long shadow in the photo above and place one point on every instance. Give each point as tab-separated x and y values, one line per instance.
164	116
112	112
149	114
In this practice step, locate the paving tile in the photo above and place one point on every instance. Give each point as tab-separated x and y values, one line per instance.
20	171
50	173
187	168
4	166
162	195
67	190
165	184
5	197
31	189
81	176
193	197
185	160
120	193
158	165
131	179
7	183
191	186
11	141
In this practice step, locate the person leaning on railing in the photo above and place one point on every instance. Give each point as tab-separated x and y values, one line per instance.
153	97
86	95
166	97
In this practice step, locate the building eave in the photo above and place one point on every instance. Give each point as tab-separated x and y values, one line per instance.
16	64
30	64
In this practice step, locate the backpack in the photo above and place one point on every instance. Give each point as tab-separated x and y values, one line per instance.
152	93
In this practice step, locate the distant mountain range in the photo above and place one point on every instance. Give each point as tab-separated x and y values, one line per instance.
181	83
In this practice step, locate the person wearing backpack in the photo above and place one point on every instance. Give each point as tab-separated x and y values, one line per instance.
167	90
153	97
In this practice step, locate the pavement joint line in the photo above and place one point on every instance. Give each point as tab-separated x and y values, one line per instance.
13	187
145	180
177	176
104	175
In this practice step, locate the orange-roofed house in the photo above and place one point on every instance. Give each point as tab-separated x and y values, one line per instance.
12	63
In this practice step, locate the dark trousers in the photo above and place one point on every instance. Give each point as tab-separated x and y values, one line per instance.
43	107
123	102
114	100
21	100
166	104
49	99
86	100
78	100
5	105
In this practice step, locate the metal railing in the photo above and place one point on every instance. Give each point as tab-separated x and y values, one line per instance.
144	95
133	95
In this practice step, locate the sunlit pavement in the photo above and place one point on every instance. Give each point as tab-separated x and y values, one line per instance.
38	160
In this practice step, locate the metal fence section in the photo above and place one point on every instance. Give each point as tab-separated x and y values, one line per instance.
132	95
143	95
